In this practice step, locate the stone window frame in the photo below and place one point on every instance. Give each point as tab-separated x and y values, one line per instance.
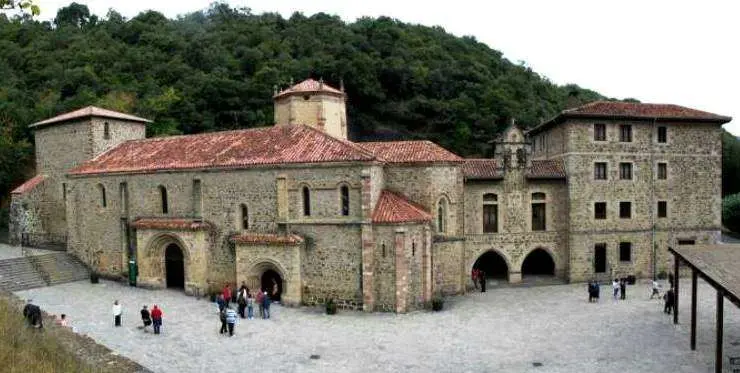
102	201
106	131
606	170
305	200
442	217
345	200
665	209
243	221
163	200
628	172
626	134
490	202
625	251
657	170
629	211
606	210
594	132
539	201
657	135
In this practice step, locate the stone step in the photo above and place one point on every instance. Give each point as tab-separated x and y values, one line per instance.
21	273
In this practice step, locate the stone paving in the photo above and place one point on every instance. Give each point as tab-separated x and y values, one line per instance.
503	330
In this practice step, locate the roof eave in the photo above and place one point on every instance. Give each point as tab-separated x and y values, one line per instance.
560	118
44	123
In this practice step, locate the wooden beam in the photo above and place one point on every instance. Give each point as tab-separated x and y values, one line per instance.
676	261
694	276
720	327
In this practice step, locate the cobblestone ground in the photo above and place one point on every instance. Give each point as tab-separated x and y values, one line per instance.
503	330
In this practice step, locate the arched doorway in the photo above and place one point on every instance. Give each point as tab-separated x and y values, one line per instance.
271	282
493	265
174	267
538	263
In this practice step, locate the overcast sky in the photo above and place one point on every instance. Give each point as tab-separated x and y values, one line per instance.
680	52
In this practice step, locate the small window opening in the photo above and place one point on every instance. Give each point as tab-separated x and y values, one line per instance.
245	216
106	131
344	196
163	195
306	201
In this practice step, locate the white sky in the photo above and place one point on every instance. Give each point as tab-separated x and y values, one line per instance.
659	51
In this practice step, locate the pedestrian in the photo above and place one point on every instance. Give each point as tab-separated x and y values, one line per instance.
220	302
266	306
27	311
250	306
275	291
590	291
474	277
222	318
117	310
230	320
261	303
670	280
623	289
62	320
145	317
597	290
241	300
668	297
156	318
615	288
227	294
656	289
37	320
482	279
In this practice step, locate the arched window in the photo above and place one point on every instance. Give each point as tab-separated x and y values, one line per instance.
106	131
442	215
163	195
344	199
306	201
103	201
538	212
490	213
244	214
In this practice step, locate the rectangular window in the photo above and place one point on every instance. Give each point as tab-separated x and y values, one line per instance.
662	171
600	210
599	132
625	252
686	242
600	258
64	192
625	171
662	209
538	217
625	133
123	190
197	198
490	218
600	170
662	134
625	210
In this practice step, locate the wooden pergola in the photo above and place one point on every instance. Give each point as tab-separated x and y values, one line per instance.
718	265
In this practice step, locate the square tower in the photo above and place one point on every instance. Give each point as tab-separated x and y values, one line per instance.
315	104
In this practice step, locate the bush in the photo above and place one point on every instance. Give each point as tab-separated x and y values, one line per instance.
731	212
331	307
437	303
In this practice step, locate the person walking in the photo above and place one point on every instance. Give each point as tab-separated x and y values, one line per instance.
656	289
117	311
227	294
250	306
474	277
220	302
615	288
156	318
222	318
266	307
623	289
241	300
261	303
146	318
230	320
668	297
482	279
590	291
27	309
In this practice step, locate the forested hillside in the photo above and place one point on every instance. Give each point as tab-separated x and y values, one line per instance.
217	69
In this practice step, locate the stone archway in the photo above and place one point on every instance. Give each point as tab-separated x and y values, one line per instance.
165	262
538	264
272	282
493	264
268	276
174	265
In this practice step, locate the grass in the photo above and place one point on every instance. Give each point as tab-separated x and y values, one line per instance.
26	349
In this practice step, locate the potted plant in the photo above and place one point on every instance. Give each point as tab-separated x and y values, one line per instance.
331	307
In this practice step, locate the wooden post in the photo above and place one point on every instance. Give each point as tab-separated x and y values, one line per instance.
694	276
718	348
675	288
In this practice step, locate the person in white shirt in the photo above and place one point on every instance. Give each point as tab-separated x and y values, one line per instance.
117	310
656	289
615	287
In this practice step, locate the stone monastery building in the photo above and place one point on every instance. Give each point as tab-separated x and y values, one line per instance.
598	191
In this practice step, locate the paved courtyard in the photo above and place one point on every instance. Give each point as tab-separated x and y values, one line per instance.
503	330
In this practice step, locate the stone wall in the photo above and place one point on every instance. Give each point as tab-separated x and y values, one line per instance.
307	109
447	265
27	213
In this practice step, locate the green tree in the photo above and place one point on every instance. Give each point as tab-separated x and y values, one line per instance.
731	212
22	5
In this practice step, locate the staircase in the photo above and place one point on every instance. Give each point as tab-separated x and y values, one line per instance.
41	270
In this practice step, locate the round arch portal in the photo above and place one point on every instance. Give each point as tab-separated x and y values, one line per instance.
538	262
493	265
267	276
174	266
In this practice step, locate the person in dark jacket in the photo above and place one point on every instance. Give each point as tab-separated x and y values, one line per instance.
145	317
482	278
27	311
623	289
266	306
668	297
222	317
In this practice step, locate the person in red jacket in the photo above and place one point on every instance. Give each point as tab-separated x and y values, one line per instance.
227	294
156	318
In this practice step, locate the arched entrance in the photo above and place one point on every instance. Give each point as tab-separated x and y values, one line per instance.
174	267
538	263
493	265
271	282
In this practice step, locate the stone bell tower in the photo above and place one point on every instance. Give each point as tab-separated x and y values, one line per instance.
313	103
511	149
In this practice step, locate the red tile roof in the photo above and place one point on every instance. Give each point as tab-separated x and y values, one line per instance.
395	208
616	110
481	168
229	149
171	223
410	151
310	86
547	169
267	239
29	185
90	111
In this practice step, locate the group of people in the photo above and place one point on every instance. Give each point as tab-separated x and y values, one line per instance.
479	276
148	318
245	302
619	291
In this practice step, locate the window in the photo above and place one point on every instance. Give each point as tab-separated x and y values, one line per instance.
383	248
625	210
101	190
662	134
123	189
244	214
625	133
662	209
600	210
599	132
106	131
625	171
197	198
600	170
538	212
625	252
662	171
686	242
163	195
413	248
64	192
306	201
490	213
344	197
442	215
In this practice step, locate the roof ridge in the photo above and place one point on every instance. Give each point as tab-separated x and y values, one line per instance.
351	144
